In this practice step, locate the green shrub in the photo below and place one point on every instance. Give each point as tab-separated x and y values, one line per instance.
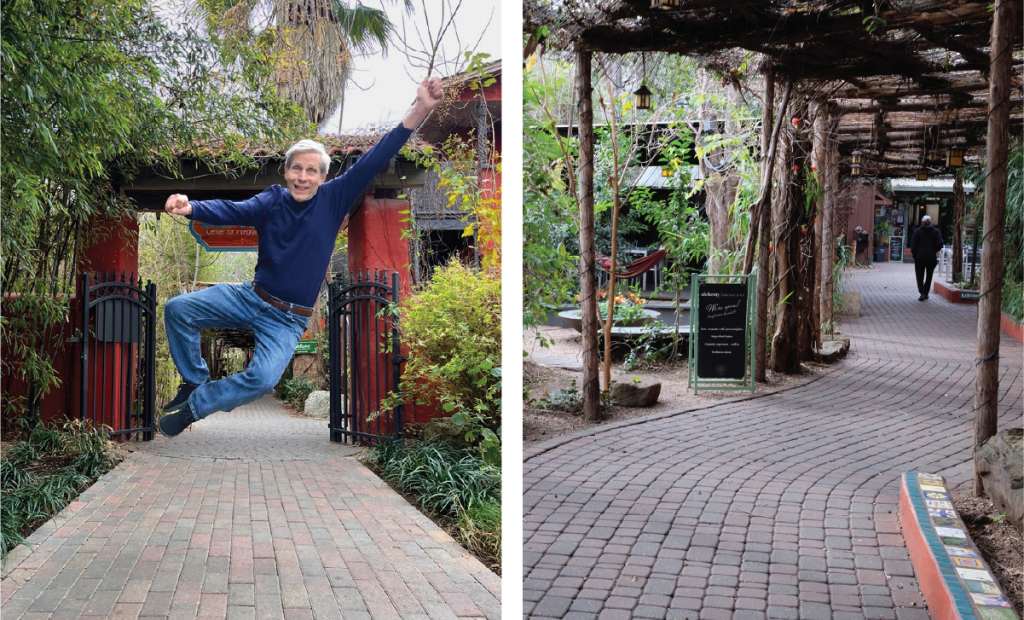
295	391
452	483
453	330
44	473
1013	300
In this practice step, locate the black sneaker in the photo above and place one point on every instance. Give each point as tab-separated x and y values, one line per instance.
922	298
180	399
172	424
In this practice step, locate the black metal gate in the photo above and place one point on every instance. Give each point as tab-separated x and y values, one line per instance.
118	353
365	358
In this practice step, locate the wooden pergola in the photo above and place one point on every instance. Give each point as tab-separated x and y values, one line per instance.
893	79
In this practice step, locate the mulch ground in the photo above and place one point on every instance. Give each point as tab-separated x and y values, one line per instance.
1000	544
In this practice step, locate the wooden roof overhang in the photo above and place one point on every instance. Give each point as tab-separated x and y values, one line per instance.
919	81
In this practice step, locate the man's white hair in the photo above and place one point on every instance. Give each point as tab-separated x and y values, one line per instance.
308	146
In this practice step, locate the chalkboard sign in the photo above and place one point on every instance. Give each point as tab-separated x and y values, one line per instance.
895	249
722	345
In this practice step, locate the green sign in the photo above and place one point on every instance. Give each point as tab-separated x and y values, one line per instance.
305	347
970	295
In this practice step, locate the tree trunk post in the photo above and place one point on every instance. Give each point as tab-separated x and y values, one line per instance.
610	303
588	280
986	387
760	224
828	173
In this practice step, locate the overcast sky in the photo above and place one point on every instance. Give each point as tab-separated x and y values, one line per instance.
382	89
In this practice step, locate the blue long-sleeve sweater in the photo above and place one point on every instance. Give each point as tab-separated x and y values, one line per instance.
296	238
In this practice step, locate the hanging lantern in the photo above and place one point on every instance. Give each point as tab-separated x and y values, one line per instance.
643	98
666	171
920	161
856	169
665	4
955	157
933	155
922	175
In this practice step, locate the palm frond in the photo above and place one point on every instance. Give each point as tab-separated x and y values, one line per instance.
365	28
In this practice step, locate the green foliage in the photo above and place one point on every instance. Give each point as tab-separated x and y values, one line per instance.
567	399
453	330
550	210
294	391
41	475
452	483
883	232
1013	301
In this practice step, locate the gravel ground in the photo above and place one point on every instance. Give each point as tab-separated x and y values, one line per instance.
542	375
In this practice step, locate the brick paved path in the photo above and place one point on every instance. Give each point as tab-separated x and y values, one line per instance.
250	514
777	506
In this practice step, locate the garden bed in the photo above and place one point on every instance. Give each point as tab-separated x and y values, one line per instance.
1001	546
47	470
546	373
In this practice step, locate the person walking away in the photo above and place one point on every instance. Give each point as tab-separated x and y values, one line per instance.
925	246
297	227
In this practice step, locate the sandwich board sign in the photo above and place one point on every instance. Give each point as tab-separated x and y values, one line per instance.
232	238
721	333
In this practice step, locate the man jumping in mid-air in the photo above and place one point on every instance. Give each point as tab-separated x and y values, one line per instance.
297	226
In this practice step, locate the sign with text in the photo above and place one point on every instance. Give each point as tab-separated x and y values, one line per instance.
722	343
305	347
895	249
216	238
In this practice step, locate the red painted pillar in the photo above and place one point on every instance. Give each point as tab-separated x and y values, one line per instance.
111	249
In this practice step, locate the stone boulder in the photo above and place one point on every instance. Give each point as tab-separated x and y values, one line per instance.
1000	460
832	350
318	405
444	429
632	394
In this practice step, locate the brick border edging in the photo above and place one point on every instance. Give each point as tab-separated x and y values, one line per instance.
1011	328
551	444
941	584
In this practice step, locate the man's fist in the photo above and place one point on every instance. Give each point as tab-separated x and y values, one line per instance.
430	92
178	204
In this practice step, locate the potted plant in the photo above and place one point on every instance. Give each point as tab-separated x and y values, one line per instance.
883	232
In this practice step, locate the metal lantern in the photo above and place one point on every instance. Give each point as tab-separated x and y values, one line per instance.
666	171
643	98
955	157
922	174
933	155
665	4
856	169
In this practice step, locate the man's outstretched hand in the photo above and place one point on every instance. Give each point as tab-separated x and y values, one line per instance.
428	95
178	204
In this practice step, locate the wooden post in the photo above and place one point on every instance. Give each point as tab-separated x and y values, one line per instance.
588	280
986	387
819	156
761	228
828	172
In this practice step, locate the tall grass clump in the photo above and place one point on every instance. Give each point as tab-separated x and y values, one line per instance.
44	473
451	483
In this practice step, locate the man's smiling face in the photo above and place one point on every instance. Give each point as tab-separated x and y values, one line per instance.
303	176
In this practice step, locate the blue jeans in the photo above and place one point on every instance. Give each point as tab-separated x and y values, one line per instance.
233	306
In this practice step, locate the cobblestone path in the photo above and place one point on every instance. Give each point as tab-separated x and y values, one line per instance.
249	514
776	506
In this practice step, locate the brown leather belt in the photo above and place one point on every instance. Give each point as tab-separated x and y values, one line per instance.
281	305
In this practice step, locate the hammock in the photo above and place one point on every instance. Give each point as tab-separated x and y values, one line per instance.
635	268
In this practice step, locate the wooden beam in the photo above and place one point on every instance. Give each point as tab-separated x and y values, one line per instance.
923	106
986	387
588	259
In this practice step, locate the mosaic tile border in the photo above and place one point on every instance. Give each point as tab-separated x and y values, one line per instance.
971	588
